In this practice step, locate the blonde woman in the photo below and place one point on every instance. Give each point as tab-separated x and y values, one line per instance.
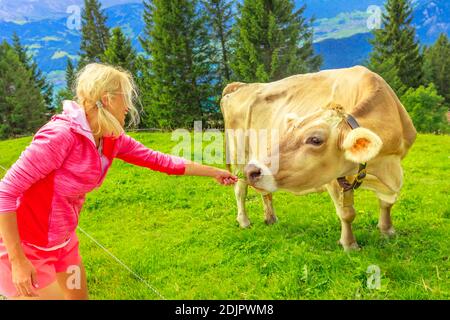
42	193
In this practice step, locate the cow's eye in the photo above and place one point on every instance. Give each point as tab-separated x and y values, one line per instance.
315	141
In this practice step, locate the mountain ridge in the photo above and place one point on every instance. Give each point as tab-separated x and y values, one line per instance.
341	39
32	10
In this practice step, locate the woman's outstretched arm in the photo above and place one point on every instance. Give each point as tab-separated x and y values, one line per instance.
134	152
222	176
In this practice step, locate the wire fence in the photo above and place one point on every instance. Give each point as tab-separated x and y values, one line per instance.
208	125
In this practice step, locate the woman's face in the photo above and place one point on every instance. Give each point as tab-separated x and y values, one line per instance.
117	106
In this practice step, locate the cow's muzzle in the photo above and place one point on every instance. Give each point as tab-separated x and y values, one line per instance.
253	173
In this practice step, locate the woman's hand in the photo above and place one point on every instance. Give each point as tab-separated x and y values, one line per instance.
222	176
225	178
24	277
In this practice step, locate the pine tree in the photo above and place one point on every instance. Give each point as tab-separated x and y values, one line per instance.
22	106
21	52
68	92
176	84
272	41
95	33
397	41
437	66
70	75
220	15
389	71
120	52
39	79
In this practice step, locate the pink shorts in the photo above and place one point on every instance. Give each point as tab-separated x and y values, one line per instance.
47	264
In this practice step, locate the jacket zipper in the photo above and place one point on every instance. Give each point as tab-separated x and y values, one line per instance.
99	160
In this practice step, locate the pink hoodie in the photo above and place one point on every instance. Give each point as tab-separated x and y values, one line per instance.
47	185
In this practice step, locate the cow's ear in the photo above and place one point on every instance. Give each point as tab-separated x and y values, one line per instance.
361	145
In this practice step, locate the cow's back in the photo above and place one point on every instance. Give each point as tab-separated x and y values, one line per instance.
361	92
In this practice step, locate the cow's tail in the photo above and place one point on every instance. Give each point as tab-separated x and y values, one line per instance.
227	154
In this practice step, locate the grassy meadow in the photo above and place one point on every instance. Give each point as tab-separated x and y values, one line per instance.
180	236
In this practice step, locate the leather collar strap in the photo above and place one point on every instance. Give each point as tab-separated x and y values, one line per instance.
346	185
343	182
352	121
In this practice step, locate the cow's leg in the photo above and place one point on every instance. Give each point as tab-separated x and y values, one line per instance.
385	222
240	191
386	179
346	214
269	212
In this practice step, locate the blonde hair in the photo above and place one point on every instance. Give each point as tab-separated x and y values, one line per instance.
96	80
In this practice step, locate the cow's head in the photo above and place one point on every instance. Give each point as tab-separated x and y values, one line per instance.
312	151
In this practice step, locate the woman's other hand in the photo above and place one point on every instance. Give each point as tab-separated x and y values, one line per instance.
24	277
23	272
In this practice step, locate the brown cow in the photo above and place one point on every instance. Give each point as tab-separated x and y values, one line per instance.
328	126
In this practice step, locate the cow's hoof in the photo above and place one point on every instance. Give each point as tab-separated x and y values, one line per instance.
271	220
243	221
388	232
348	247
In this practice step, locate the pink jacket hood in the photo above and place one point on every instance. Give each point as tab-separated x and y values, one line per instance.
76	116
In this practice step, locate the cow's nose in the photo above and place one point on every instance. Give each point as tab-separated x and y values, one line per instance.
253	173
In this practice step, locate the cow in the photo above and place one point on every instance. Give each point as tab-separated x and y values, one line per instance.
337	130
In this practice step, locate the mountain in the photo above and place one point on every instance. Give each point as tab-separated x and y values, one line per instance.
340	28
52	41
331	8
345	52
32	10
430	17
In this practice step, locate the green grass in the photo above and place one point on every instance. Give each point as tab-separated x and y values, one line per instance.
180	235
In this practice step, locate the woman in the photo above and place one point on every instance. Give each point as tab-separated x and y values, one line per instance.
42	193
